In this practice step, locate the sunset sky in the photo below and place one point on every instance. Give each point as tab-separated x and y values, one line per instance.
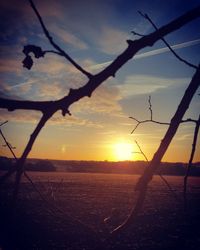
94	33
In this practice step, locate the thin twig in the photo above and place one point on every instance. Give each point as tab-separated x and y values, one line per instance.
136	33
141	152
167	44
196	131
150	108
151	120
3	123
7	143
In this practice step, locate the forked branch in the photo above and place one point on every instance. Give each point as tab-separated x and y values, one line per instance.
151	120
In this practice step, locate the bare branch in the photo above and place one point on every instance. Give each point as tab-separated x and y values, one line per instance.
167	44
174	124
136	33
50	107
12	105
21	161
98	79
3	123
160	175
61	51
196	131
144	180
146	121
150	108
141	152
6	142
138	122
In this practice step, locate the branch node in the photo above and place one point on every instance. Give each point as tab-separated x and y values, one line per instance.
137	34
130	42
66	111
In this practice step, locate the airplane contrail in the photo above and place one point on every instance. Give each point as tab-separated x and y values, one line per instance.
22	84
152	52
139	56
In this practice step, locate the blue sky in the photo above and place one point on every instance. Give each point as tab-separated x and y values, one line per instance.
94	33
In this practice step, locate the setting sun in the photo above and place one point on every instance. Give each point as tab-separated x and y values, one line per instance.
123	151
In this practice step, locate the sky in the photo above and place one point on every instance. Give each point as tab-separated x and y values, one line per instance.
94	33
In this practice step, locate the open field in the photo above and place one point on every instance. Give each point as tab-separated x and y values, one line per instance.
70	214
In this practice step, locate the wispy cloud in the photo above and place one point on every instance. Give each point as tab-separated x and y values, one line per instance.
68	37
146	84
111	40
10	66
153	52
104	100
49	87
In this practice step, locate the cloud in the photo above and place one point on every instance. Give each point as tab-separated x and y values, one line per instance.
10	66
68	37
51	65
105	100
25	116
50	90
33	117
146	84
111	41
153	52
50	77
71	121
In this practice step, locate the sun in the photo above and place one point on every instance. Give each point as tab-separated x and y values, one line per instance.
123	151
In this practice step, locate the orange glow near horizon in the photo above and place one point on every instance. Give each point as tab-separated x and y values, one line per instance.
122	151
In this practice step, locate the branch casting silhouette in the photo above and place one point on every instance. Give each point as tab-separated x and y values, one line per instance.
49	108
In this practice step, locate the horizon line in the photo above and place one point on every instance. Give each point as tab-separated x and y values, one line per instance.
100	160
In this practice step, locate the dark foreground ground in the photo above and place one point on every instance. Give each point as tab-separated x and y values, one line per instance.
70	214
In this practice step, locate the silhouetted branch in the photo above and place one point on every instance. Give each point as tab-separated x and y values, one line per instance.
160	175
136	33
175	122
6	142
96	80
21	161
61	51
151	120
141	152
196	131
150	108
144	180
166	43
3	123
50	107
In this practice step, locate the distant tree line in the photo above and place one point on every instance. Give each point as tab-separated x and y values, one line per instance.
38	165
122	167
125	167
